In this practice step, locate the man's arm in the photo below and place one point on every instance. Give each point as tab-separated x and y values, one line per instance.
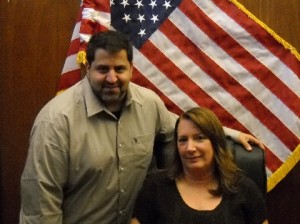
245	139
44	176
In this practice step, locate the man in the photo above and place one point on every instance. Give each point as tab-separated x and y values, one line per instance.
91	146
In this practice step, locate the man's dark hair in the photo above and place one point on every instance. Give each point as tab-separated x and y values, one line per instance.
111	41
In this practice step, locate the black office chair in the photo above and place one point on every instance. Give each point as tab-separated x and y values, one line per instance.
251	162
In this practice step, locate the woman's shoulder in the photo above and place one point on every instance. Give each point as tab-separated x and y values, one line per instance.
248	187
246	182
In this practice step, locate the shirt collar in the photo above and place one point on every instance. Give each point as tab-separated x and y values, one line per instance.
94	106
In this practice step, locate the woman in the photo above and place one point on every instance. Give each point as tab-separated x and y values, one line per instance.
203	184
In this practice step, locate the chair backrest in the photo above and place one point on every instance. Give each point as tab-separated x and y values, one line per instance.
251	162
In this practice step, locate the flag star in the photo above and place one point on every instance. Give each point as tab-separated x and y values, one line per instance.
139	3
126	17
153	3
141	18
112	2
142	32
125	3
154	18
167	4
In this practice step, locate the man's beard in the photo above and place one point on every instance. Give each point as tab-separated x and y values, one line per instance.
109	98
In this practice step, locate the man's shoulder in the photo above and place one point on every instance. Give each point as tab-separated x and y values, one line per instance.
141	93
62	103
138	88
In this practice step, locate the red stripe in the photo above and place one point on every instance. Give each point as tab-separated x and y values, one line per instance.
243	57
181	80
99	5
87	26
228	83
184	82
68	79
141	80
74	47
261	35
272	162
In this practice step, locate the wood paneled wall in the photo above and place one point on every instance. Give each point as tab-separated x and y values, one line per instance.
34	38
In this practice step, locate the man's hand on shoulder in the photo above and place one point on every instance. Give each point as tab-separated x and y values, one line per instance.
246	140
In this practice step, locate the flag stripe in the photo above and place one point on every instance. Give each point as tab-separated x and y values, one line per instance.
68	79
242	56
74	45
75	34
181	37
206	64
162	82
259	33
143	81
233	28
284	112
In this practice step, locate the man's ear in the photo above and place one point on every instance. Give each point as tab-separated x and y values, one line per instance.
86	68
83	70
131	69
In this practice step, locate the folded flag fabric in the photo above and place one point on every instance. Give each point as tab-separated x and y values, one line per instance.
211	53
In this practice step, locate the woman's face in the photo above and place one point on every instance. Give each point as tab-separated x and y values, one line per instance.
195	149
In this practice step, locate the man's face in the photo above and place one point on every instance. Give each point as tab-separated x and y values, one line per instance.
109	76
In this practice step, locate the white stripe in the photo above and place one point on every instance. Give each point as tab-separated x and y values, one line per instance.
70	64
88	13
163	83
238	72
84	37
75	34
219	94
247	41
103	19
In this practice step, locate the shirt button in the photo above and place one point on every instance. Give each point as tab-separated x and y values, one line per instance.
122	169
122	191
120	145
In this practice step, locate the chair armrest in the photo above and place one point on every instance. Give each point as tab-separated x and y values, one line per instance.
251	162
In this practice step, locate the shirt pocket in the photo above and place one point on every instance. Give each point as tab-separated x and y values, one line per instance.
142	150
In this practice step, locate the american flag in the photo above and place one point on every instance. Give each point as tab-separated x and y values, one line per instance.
212	53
